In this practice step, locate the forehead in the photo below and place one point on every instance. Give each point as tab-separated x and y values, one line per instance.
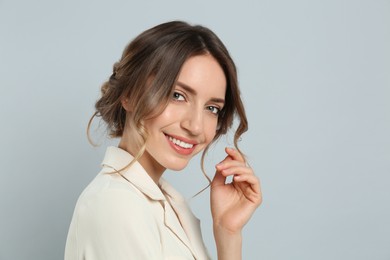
204	74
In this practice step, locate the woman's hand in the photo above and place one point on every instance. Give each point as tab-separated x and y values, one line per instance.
233	204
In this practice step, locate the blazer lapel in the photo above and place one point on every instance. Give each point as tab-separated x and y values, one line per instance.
188	222
172	222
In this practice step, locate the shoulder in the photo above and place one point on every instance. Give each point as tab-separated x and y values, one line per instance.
112	220
110	206
109	191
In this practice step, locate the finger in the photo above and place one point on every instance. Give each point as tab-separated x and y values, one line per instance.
218	179
252	180
250	187
230	163
237	170
221	164
236	155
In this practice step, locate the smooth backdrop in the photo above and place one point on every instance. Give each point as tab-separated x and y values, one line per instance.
315	80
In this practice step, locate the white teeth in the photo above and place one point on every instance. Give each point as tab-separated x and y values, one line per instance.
180	143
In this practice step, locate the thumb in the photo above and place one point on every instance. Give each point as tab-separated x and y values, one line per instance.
218	179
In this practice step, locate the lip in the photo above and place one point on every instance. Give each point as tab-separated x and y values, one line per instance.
179	149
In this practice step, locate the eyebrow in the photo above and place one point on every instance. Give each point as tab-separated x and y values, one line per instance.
193	92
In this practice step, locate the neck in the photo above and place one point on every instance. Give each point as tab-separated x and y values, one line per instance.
151	166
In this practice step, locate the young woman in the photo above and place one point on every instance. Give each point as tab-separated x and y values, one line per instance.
172	94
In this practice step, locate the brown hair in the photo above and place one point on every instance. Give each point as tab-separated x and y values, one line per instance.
147	72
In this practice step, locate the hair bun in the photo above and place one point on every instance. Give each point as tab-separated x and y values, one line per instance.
115	68
105	87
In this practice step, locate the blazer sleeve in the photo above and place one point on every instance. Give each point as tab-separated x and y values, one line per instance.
113	224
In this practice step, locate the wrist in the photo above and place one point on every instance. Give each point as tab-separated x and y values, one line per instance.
228	242
219	229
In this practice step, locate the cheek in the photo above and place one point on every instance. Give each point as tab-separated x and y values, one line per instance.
170	115
158	122
211	130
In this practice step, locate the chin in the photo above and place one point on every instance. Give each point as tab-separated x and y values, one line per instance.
177	166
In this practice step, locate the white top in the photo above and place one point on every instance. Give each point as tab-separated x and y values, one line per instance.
118	219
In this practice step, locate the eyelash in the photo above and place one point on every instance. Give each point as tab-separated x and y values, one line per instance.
180	97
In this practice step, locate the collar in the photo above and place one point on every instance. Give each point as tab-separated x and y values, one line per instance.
117	159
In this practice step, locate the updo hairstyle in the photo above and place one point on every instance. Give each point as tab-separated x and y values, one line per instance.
147	73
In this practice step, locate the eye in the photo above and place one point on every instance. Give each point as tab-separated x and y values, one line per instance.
214	110
177	96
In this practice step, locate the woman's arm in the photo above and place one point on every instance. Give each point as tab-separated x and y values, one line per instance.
233	204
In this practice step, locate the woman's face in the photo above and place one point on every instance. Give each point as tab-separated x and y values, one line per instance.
189	122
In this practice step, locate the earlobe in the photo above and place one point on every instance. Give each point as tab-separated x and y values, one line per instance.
126	104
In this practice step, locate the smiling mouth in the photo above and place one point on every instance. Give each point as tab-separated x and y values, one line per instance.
180	143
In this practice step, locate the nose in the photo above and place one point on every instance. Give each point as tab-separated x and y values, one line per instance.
193	121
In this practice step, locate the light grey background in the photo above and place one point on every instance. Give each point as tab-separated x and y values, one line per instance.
315	80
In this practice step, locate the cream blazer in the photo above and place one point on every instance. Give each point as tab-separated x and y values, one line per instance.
118	219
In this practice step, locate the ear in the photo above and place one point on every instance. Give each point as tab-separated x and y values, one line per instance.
126	104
